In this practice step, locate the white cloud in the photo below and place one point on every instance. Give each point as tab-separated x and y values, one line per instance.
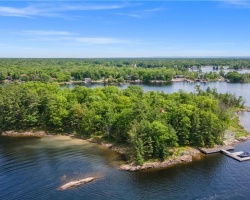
69	37
99	40
82	40
29	11
153	10
43	33
141	14
89	7
237	3
52	10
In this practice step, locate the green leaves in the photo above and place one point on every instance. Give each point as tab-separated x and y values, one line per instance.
150	123
163	137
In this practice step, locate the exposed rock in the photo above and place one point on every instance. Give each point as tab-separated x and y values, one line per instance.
242	138
188	155
150	165
194	153
76	183
26	134
120	150
230	142
107	145
94	140
186	158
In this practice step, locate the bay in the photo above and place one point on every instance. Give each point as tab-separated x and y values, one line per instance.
34	168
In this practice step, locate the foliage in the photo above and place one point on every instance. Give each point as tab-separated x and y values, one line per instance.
112	70
150	123
236	77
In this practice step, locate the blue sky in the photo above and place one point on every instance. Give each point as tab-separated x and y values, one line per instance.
83	29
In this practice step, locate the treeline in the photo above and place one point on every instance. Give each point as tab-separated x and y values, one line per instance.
126	73
211	76
236	77
62	70
149	123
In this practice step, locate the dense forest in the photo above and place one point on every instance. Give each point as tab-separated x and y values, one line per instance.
114	70
236	77
149	123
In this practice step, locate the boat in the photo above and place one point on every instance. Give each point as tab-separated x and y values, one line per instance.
244	154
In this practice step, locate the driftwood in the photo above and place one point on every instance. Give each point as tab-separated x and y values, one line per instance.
76	183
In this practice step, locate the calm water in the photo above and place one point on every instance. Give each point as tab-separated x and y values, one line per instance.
226	70
222	87
32	168
245	120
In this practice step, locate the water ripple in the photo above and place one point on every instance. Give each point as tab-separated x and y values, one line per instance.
36	169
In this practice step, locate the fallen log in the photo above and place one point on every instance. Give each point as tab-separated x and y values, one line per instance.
76	183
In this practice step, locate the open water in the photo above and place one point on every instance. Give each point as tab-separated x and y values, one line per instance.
34	168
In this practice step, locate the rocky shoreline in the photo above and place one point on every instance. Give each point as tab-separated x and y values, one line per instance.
151	165
238	140
24	134
187	156
120	150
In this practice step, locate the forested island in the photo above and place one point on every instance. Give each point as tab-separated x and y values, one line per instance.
236	77
148	124
118	71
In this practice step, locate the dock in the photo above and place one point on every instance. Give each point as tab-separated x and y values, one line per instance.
235	155
224	149
215	150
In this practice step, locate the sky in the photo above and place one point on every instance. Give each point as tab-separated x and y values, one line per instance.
100	29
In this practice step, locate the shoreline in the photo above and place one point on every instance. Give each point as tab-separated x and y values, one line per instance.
72	82
186	155
25	134
189	154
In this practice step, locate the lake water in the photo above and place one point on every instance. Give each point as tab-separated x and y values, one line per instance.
238	89
207	69
245	120
34	168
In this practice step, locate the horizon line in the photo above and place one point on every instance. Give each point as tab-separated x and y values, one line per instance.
139	57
